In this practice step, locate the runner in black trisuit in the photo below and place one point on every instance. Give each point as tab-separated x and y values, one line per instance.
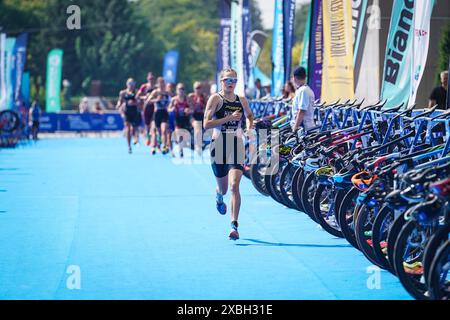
144	92
128	104
161	99
225	114
197	101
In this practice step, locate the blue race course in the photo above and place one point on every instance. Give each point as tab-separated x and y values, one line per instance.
141	227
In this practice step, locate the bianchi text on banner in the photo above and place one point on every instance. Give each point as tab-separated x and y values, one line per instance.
337	74
396	81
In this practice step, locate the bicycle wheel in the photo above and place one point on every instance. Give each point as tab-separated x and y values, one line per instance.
257	174
394	230
307	194
380	229
323	205
439	273
409	249
296	188
345	216
275	183
286	186
363	233
9	121
436	240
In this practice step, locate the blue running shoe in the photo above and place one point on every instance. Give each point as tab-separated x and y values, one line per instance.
220	205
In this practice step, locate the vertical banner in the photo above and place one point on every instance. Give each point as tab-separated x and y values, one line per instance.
367	63
337	76
2	71
305	49
21	56
21	48
396	81
315	56
9	72
359	29
257	40
288	32
278	74
53	81
25	89
223	47
420	44
246	30
448	88
170	66
237	44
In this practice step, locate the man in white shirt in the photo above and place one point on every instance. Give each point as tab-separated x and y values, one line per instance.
302	112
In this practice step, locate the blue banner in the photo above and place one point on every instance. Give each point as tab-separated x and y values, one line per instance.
289	21
396	80
52	122
9	71
246	30
170	66
223	46
315	59
21	56
278	74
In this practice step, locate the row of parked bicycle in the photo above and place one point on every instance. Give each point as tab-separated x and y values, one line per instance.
380	179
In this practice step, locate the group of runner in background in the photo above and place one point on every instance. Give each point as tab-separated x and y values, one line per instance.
165	109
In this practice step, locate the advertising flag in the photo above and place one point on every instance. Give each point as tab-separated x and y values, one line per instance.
53	81
170	66
306	35
237	44
396	78
2	71
337	75
289	22
278	69
420	44
21	56
223	47
315	59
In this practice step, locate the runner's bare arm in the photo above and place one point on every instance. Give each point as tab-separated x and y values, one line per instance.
248	113
120	101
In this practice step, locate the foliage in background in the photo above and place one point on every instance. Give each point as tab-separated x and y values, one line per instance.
118	39
444	51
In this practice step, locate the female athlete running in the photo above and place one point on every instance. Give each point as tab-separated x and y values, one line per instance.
180	106
149	108
197	102
225	114
161	99
128	104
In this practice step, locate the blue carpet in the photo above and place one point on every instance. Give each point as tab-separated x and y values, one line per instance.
142	227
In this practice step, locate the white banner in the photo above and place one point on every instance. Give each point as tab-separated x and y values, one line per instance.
237	44
2	72
368	85
420	43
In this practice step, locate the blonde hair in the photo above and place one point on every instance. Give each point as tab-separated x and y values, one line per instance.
196	84
227	70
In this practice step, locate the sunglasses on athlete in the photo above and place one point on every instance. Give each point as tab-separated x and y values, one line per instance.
230	80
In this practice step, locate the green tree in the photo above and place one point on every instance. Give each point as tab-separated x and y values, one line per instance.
444	50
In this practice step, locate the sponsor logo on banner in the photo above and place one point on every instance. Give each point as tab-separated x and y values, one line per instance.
278	50
316	49
54	78
397	66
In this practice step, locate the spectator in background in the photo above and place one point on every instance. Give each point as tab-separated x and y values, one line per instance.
171	89
259	90
34	117
266	92
98	108
288	91
84	105
439	94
